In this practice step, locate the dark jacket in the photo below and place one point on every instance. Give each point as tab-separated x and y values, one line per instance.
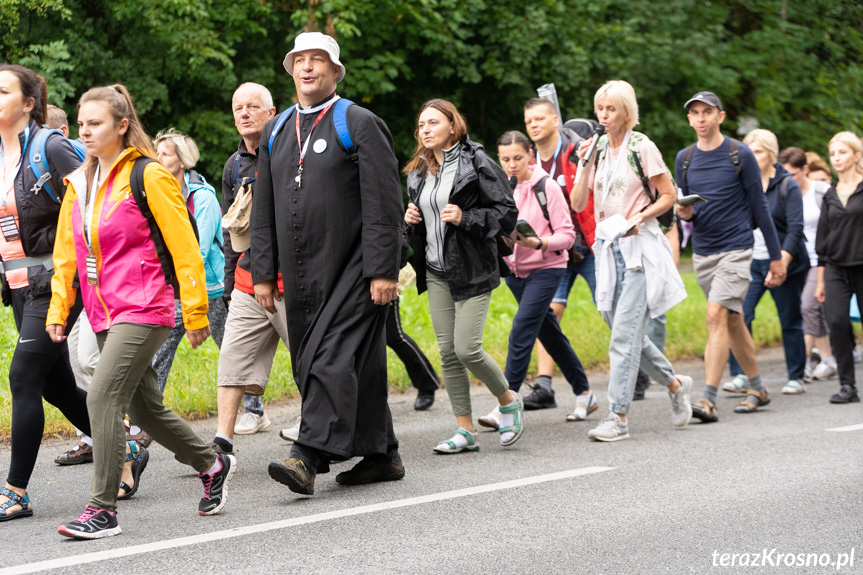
839	240
787	216
483	193
37	213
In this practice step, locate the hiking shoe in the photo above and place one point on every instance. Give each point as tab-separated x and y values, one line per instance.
824	370
373	468
540	398
424	400
794	387
847	394
92	524
251	423
294	473
291	433
704	411
492	420
610	429
81	453
681	408
216	486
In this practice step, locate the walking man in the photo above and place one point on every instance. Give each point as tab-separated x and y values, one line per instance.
328	211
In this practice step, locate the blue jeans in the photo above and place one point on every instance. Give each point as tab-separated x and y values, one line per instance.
788	300
586	268
535	319
629	347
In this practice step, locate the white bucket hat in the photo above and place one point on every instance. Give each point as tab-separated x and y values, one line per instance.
316	41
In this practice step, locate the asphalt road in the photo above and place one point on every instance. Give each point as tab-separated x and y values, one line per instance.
772	483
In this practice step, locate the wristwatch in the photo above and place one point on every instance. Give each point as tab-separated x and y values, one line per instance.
539	246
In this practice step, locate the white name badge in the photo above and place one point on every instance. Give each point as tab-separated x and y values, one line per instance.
92	273
9	228
319	146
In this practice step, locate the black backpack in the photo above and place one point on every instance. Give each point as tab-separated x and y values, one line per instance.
140	194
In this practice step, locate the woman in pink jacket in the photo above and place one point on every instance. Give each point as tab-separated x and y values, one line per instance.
104	237
537	263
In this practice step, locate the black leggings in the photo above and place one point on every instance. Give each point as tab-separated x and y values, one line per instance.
419	368
40	368
840	283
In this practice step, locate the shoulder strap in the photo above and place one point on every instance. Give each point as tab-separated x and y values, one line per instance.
136	182
38	160
635	160
684	163
734	154
539	192
340	121
235	170
280	121
79	148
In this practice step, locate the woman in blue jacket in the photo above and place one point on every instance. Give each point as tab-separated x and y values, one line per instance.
786	208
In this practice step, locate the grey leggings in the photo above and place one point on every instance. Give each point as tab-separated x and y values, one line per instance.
458	326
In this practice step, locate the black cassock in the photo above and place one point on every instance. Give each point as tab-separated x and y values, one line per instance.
331	234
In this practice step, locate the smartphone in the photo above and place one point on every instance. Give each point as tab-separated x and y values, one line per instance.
525	229
691	200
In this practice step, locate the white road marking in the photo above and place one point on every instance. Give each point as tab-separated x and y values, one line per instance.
857	427
286	523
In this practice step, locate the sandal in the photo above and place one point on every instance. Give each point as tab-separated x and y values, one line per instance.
140	456
705	411
754	400
454	444
509	434
15	499
584	406
794	387
737	385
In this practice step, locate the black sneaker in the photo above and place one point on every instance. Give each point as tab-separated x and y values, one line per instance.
92	524
373	469
847	394
424	401
294	473
216	486
540	398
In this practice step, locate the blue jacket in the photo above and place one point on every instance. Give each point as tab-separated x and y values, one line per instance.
204	205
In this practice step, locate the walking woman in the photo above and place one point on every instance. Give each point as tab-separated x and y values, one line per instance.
104	237
28	221
839	245
179	154
538	264
460	202
636	279
786	208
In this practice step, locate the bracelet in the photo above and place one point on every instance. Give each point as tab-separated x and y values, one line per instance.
539	247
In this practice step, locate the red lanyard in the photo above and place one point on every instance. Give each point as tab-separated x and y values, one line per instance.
305	147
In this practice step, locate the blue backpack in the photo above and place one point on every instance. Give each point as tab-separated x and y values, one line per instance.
340	121
39	160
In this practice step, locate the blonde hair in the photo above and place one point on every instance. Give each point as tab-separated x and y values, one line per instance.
57	117
851	140
622	96
816	164
119	104
766	139
185	147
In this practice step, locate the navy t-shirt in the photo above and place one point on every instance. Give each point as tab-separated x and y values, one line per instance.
725	222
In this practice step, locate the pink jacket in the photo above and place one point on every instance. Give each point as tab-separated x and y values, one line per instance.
525	260
131	282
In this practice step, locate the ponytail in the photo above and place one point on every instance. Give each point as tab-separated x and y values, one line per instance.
33	87
120	106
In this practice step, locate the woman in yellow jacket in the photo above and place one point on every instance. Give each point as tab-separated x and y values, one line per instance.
103	236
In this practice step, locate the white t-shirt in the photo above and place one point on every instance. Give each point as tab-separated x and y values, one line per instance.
811	215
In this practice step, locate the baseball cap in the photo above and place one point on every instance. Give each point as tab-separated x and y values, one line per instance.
708	98
316	41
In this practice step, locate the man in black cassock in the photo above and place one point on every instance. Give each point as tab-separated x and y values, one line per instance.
333	222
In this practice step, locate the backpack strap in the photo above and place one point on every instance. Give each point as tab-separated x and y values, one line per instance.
79	148
539	192
38	160
136	181
635	160
235	170
734	154
340	121
280	122
684	164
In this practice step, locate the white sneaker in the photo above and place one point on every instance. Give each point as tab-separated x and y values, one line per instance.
251	423
492	420
681	407
610	429
824	370
291	433
736	385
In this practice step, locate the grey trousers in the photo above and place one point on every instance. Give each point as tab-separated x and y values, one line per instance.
125	382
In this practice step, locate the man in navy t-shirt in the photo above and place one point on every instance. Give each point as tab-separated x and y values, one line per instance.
725	173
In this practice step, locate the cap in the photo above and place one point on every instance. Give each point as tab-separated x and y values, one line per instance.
708	98
316	41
